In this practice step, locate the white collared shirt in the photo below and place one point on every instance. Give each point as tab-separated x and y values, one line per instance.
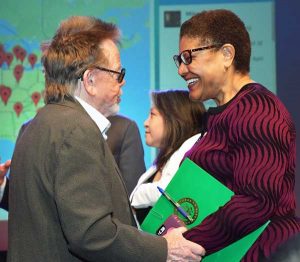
101	121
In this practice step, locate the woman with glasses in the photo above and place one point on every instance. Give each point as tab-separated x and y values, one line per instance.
173	126
250	144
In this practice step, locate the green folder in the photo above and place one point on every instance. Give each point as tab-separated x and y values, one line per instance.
200	194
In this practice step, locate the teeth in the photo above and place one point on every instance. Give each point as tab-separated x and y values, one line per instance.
191	81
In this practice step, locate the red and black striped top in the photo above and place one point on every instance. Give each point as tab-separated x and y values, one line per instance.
250	146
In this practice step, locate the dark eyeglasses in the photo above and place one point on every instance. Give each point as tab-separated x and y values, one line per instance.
121	74
186	55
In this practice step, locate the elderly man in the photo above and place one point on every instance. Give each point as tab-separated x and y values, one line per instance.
72	205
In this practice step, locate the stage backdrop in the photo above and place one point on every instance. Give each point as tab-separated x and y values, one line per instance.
150	35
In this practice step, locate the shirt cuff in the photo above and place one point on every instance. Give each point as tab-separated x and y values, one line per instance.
2	187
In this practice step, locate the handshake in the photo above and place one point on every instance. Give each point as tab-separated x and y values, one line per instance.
180	249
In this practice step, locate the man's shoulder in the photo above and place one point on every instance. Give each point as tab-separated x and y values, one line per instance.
122	125
120	120
63	118
121	131
71	110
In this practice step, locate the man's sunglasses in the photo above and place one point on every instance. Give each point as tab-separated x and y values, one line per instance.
121	74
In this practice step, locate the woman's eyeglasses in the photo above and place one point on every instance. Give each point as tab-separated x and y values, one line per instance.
186	55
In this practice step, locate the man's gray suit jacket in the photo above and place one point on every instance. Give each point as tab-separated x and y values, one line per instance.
67	199
124	140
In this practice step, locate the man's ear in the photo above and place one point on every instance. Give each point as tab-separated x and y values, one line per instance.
89	82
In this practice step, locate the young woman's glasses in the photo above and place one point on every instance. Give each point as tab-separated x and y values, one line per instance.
186	55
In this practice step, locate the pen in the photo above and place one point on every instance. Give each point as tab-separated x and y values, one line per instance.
178	207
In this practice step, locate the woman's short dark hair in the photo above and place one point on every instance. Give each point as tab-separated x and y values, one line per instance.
221	27
182	119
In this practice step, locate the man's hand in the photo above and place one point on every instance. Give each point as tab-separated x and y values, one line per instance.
180	249
3	170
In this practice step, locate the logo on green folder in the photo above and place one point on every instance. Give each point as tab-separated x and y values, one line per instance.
191	207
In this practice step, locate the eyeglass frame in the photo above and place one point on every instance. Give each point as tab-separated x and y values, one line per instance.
120	77
190	51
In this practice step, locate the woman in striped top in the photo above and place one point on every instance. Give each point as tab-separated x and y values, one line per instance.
250	144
